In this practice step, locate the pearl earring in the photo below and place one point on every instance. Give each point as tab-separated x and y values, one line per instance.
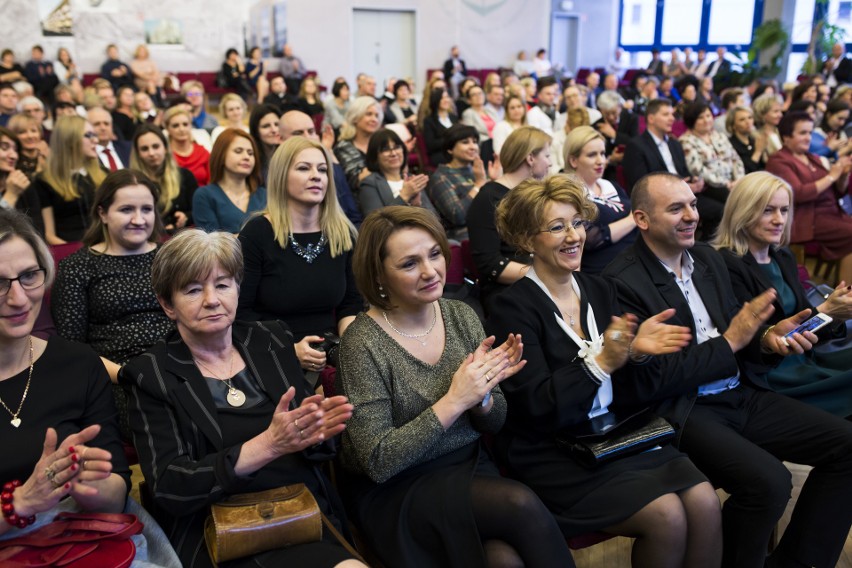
382	292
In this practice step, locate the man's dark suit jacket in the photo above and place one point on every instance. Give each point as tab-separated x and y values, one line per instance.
122	148
449	66
642	157
843	71
646	288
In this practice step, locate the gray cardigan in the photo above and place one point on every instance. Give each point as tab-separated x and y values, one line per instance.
375	193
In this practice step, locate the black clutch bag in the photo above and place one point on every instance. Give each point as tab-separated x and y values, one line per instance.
611	436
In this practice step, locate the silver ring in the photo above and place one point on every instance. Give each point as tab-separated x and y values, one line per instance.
616	335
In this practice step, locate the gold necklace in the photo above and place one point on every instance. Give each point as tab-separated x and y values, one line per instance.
16	422
235	396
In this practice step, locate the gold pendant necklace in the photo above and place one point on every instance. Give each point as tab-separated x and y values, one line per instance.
16	421
235	397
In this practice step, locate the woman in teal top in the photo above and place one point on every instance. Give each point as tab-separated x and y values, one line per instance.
235	191
753	235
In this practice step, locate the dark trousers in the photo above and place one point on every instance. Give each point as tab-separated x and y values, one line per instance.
738	439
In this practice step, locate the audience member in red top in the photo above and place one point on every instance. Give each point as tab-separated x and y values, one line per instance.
188	154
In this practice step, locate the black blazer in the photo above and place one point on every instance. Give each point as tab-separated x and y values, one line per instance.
178	437
749	280
433	136
449	67
642	157
646	288
122	148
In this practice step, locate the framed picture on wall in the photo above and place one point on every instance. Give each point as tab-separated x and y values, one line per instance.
163	31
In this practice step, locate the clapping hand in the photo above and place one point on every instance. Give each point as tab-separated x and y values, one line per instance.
315	420
655	337
748	320
484	368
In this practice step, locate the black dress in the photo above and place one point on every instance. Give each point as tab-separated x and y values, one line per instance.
70	218
745	152
279	284
554	391
183	201
69	391
613	204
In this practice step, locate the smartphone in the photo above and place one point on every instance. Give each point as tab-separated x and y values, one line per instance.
815	323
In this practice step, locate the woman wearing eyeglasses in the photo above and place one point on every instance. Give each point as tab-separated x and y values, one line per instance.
60	441
388	182
580	348
67	184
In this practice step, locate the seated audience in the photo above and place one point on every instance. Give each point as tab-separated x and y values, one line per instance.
708	96
526	154
124	114
34	149
194	92
439	119
64	451
337	104
113	154
10	70
816	189
67	184
829	139
301	231
279	97
67	73
8	103
574	373
753	239
233	110
514	116
543	113
187	153
732	98
40	74
729	425
749	146
265	130
309	97
256	73
389	182
422	400
114	70
145	111
476	116
151	156
767	116
613	228
709	154
249	421
363	119
146	75
292	69
454	184
233	74
617	125
15	186
403	110
236	189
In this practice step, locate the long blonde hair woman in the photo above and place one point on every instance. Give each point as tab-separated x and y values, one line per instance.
302	231
69	179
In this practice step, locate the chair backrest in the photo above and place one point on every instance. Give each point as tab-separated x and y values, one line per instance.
455	271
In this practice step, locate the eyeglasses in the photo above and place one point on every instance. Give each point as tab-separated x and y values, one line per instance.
29	280
391	149
558	229
194	93
90	135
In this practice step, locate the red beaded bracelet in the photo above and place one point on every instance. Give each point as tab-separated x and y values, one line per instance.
6	498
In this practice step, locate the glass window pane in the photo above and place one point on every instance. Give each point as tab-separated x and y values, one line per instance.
803	19
638	19
681	22
731	22
840	14
794	66
640	59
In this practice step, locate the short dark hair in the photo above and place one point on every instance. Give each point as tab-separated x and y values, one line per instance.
640	196
693	111
655	105
338	86
4	86
379	142
800	89
13	137
37	47
456	133
371	247
730	96
231	51
790	120
545	82
400	84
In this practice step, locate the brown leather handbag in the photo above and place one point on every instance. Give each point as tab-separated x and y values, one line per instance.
251	523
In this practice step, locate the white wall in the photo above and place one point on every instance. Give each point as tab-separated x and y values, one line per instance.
488	32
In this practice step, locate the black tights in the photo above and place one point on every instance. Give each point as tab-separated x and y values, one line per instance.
516	528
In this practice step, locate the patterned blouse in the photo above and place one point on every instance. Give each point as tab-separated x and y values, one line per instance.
717	162
449	190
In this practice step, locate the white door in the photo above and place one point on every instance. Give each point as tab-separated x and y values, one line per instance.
384	44
564	42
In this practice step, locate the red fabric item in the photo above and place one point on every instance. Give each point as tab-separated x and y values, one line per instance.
113	166
198	162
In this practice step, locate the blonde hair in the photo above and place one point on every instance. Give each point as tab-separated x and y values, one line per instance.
357	110
762	105
168	176
731	117
173	112
576	140
338	229
231	97
66	158
745	206
522	142
521	213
